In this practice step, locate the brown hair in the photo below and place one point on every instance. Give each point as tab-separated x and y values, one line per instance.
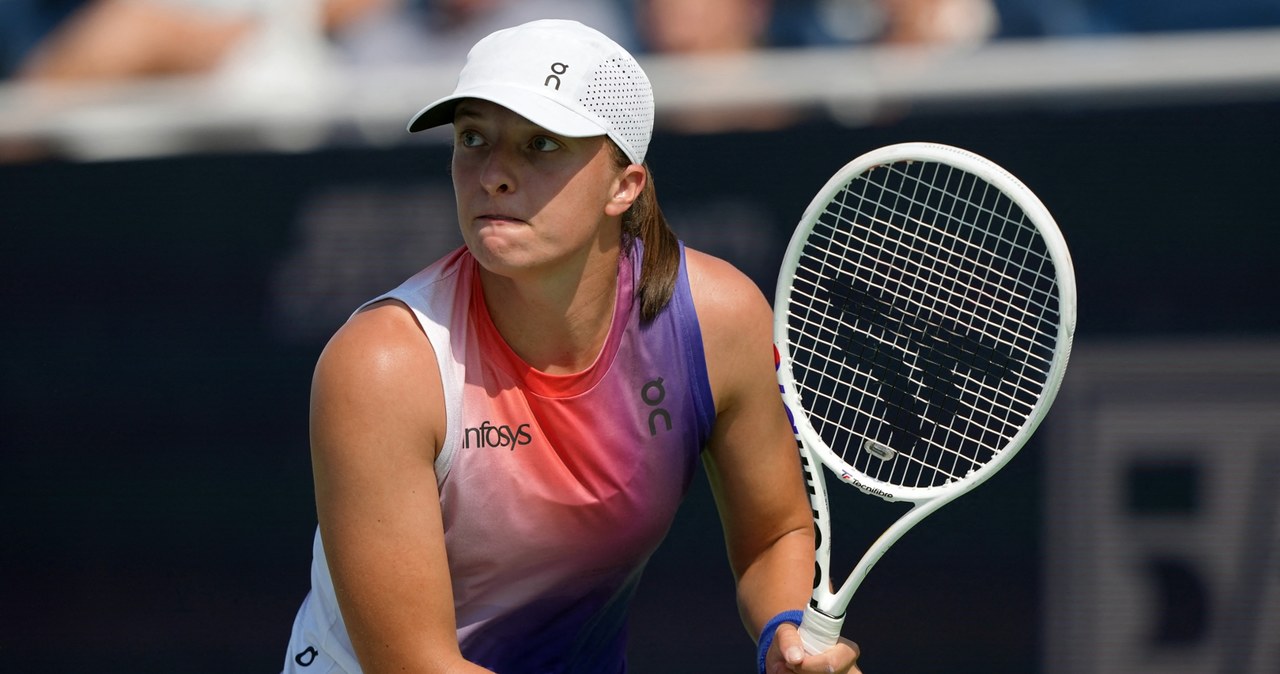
661	260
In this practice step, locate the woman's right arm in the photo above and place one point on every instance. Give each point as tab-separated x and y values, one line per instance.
377	424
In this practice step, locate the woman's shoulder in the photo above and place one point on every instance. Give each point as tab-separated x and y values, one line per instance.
722	292
381	345
736	322
379	369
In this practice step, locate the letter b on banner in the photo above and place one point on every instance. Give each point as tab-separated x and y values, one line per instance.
1163	530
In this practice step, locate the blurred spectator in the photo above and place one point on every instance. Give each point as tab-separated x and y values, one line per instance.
708	26
714	28
806	23
114	39
938	22
441	32
120	39
24	24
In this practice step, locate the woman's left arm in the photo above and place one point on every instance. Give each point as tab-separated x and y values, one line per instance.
753	464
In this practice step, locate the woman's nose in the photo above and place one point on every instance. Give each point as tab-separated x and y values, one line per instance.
497	176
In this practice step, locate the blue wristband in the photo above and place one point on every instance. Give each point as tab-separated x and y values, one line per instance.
766	635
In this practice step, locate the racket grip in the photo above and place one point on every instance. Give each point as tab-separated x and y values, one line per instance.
818	631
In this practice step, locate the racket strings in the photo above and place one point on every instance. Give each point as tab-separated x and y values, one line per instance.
923	323
948	251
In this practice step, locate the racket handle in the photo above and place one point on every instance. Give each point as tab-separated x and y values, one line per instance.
818	631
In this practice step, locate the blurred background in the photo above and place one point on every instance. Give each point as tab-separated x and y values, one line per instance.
195	193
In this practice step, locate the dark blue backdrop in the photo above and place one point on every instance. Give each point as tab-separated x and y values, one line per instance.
162	319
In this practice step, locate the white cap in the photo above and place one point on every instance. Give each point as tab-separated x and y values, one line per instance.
561	75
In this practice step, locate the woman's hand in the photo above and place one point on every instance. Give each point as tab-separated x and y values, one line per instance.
786	654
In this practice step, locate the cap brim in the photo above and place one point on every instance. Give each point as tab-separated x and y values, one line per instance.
531	105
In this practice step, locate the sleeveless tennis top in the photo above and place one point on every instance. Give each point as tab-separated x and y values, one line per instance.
555	489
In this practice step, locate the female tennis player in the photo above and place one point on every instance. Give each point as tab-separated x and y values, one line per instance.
501	443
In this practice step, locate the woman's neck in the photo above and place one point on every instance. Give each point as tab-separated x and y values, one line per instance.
556	325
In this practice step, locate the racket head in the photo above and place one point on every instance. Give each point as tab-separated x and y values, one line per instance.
924	315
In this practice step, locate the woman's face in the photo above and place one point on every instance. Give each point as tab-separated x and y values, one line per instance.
528	199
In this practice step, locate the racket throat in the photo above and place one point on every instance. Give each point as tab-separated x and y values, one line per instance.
813	606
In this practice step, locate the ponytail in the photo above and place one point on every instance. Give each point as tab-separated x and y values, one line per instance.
661	260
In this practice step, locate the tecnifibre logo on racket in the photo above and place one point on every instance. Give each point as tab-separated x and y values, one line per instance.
845	476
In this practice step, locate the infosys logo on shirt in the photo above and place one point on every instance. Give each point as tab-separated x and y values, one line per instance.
489	435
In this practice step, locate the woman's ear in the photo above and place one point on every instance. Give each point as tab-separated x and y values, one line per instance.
627	189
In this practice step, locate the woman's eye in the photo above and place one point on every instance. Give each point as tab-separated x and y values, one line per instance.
470	139
544	144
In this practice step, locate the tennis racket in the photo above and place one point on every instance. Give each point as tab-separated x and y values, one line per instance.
923	320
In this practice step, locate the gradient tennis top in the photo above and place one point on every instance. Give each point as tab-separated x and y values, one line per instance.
555	489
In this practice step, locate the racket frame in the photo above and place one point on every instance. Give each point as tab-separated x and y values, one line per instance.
824	616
